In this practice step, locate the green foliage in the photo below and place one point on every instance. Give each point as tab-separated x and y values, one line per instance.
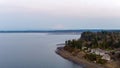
101	61
73	43
103	40
93	57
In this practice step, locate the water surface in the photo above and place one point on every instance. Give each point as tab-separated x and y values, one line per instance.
32	50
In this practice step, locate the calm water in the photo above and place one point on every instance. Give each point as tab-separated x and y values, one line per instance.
32	50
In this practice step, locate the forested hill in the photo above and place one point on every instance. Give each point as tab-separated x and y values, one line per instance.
103	40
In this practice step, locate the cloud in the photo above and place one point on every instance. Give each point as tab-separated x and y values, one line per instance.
73	8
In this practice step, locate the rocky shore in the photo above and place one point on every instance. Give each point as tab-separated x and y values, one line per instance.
67	55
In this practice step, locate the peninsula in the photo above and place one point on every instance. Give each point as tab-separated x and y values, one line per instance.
93	49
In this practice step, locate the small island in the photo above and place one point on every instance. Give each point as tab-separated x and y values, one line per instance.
93	49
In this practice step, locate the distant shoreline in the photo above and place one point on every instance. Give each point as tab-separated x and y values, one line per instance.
59	31
85	64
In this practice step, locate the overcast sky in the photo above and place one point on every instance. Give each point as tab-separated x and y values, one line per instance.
59	14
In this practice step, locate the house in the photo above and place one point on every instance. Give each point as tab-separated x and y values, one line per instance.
98	51
106	57
84	48
101	52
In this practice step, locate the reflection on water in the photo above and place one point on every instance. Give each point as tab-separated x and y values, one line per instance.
32	50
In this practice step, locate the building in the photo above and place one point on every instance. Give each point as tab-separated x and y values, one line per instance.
98	51
101	52
106	57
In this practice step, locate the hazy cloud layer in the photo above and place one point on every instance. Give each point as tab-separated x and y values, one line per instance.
59	14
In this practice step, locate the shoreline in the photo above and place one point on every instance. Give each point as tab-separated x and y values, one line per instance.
84	63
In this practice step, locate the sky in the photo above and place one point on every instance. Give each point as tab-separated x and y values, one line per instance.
59	14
